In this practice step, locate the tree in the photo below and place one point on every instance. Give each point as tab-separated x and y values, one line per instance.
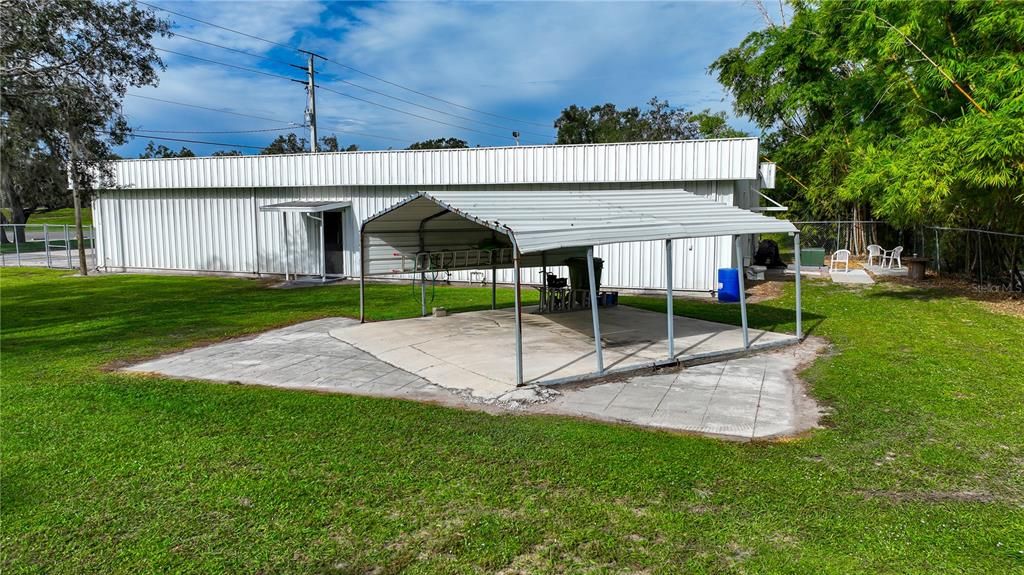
226	153
660	121
910	111
65	66
292	144
331	144
163	151
439	144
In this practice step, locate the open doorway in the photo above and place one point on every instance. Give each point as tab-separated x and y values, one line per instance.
334	255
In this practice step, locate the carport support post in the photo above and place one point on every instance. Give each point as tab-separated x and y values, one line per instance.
669	310
284	227
423	294
796	265
362	279
743	296
519	319
593	309
494	283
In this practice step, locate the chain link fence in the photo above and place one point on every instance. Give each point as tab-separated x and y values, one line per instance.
45	245
986	258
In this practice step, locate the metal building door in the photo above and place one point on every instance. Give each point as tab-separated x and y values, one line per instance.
334	254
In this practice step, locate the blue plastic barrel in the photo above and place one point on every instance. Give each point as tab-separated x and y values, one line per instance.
728	284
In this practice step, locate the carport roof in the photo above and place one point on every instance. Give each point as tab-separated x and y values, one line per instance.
543	220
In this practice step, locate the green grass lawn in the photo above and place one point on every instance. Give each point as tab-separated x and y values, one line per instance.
919	468
58	217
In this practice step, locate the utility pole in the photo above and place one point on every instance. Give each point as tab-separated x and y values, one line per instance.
311	91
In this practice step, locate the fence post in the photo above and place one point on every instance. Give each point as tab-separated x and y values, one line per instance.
46	243
67	244
92	246
17	245
938	254
981	261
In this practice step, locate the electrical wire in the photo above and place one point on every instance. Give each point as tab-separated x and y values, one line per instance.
290	124
164	138
347	67
155	7
425	95
386	95
237	67
400	111
222	47
217	131
221	111
255	71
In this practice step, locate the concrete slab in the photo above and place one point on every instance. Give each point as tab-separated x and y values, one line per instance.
555	346
743	398
886	271
853	276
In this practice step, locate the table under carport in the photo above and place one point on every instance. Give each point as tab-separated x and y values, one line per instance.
471	230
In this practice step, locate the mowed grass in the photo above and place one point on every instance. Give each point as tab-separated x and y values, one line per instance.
919	468
57	217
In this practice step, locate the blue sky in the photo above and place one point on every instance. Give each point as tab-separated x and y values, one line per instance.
520	60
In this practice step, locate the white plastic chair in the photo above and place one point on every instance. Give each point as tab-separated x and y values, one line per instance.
892	255
840	257
875	251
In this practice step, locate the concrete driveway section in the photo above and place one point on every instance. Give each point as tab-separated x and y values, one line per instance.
302	356
747	398
751	397
476	350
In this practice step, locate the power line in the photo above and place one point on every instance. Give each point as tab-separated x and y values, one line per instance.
425	95
386	95
193	141
290	124
346	66
237	67
216	131
400	111
255	71
155	7
222	47
221	111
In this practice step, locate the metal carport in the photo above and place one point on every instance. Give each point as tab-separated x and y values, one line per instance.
454	230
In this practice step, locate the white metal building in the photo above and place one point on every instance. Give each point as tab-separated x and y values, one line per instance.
230	214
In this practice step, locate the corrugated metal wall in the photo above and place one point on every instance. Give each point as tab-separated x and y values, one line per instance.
691	161
222	230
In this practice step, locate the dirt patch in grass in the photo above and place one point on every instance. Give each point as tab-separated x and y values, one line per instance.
764	291
994	300
931	496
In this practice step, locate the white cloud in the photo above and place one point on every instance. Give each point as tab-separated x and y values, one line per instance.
517	59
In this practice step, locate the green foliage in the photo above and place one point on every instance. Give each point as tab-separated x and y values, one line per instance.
439	144
65	65
162	151
913	109
659	121
292	144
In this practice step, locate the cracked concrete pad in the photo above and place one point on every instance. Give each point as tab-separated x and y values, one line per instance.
747	398
555	346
